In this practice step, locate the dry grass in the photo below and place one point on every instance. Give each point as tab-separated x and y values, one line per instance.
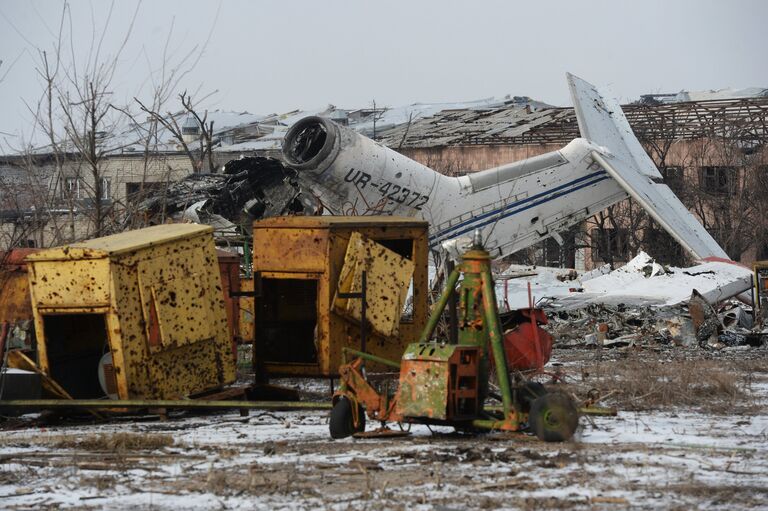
642	383
99	482
116	442
113	442
8	477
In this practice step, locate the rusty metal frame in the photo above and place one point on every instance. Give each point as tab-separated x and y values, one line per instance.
91	404
362	296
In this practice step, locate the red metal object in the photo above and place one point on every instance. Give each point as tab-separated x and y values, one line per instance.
3	333
14	260
715	259
229	267
527	345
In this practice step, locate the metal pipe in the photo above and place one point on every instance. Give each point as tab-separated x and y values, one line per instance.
494	333
440	306
586	410
372	358
494	424
363	311
163	403
453	318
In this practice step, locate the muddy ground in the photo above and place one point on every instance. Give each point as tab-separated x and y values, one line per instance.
692	432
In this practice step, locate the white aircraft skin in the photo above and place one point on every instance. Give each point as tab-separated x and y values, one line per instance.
514	205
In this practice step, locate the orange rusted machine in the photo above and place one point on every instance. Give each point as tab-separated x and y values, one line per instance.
307	273
447	384
16	325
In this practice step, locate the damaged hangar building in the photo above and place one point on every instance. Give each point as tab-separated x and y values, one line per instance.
709	147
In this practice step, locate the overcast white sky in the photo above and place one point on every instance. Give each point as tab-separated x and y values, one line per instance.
268	57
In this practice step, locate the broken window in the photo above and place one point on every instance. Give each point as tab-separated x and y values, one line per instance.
137	192
717	179
762	251
609	245
762	176
72	187
673	177
559	254
106	188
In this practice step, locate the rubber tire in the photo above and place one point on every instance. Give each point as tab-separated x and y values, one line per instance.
528	393
341	423
553	417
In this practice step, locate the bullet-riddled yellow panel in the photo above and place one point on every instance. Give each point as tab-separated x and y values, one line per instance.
70	283
388	278
176	296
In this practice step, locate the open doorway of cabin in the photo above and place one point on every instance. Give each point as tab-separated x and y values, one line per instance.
286	320
75	344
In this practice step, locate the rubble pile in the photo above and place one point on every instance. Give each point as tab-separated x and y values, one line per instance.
641	303
626	325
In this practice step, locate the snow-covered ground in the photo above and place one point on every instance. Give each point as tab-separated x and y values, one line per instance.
665	459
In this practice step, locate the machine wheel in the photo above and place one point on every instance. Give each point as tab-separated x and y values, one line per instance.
528	393
341	424
553	417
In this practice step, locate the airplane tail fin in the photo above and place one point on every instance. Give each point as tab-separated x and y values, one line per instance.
602	122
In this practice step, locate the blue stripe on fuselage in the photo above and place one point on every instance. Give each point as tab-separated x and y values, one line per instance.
505	212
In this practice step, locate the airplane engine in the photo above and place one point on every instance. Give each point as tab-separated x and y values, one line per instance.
356	173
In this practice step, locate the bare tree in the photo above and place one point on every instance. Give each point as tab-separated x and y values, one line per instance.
75	116
170	122
73	175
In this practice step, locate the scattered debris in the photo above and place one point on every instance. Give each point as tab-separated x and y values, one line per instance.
249	188
642	302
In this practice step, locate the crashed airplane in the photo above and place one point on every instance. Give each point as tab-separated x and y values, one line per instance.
514	205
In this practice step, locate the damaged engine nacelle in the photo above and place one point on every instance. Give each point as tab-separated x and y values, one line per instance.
250	187
358	175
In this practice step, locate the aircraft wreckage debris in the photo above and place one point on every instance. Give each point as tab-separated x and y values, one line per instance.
640	304
249	188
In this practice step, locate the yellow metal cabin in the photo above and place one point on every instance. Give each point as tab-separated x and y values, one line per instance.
151	297
300	327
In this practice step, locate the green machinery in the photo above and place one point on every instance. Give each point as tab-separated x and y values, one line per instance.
447	384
